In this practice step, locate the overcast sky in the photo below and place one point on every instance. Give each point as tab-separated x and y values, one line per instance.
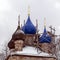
10	9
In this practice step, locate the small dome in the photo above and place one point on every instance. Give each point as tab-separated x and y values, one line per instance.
19	34
29	28
45	38
18	31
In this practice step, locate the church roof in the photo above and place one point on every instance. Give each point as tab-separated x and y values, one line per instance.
29	28
18	34
45	38
19	31
29	50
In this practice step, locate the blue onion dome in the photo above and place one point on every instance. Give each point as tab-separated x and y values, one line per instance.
29	28
45	38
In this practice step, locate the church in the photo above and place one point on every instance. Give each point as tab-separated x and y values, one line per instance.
28	44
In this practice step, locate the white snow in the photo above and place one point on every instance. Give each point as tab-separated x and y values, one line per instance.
28	50
20	31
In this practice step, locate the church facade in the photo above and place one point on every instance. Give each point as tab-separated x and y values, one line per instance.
27	44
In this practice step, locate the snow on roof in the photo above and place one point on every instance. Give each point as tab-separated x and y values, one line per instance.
19	31
28	50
